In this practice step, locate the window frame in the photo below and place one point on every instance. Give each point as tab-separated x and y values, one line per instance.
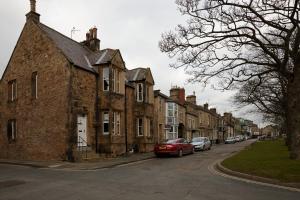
140	93
12	90
106	121
106	79
116	124
140	131
12	130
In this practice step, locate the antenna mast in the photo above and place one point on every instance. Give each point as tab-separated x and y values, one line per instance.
73	31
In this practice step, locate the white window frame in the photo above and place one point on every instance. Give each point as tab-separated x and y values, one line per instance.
148	127
105	121
106	78
173	132
117	124
140	127
12	136
117	80
140	94
14	90
113	80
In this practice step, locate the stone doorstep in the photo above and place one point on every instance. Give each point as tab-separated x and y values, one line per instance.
225	170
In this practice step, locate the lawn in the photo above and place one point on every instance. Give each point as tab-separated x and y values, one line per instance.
268	159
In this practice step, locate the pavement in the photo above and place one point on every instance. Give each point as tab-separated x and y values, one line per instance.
84	165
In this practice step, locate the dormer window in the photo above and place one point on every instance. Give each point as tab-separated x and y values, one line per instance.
140	92
111	80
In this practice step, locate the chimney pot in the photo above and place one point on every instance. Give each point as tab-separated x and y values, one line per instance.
88	36
33	5
92	42
94	33
32	15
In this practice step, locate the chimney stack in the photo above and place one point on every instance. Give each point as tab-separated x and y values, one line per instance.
192	98
178	94
92	42
214	110
32	5
206	106
32	15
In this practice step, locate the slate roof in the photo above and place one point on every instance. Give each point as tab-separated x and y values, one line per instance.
137	74
78	54
158	93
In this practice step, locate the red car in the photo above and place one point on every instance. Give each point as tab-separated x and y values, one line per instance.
176	147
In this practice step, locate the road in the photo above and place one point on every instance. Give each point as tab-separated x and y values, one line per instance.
185	178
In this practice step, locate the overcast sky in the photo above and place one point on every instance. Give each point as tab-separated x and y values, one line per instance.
133	26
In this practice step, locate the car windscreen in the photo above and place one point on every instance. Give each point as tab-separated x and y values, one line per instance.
197	139
171	142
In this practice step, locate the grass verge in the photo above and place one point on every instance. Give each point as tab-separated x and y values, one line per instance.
269	159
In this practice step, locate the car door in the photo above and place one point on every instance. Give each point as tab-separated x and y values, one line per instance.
185	146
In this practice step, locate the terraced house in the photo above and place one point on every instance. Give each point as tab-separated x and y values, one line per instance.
143	111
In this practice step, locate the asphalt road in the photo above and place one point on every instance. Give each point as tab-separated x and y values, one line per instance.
185	178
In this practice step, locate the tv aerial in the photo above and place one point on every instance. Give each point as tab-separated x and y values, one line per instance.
73	31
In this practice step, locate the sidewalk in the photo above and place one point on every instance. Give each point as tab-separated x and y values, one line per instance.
86	165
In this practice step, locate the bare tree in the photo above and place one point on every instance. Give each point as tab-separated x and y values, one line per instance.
268	98
241	41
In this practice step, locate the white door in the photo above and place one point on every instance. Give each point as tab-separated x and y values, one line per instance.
81	131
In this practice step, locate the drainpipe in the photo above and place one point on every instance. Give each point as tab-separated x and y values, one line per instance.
97	113
126	133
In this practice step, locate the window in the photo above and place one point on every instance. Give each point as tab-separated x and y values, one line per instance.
140	92
170	110
117	79
12	130
106	79
172	133
160	104
113	78
170	120
12	90
140	127
106	123
34	85
116	127
148	125
147	93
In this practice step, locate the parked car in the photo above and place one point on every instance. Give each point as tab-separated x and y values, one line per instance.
201	143
230	140
238	138
176	147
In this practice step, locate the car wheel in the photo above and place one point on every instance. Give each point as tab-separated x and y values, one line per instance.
180	153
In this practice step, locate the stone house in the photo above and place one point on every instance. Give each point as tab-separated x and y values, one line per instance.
214	125
160	118
228	125
59	96
177	102
143	111
192	125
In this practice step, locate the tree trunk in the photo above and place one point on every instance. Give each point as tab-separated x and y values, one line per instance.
293	112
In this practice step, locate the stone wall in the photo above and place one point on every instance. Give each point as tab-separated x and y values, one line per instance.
83	103
42	123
